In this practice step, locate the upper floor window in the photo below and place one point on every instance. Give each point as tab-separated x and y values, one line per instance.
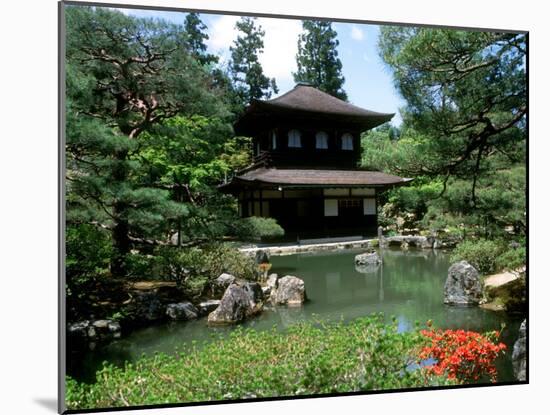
294	139
321	140
347	141
273	140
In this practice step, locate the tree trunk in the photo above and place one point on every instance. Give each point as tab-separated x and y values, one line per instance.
121	237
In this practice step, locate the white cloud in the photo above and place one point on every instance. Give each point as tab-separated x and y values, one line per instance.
221	34
281	46
280	43
357	33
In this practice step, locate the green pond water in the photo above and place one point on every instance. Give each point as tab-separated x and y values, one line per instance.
408	286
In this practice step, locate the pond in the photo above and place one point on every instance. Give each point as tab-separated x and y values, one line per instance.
408	286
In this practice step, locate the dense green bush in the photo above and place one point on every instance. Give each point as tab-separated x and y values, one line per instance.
365	354
192	267
88	251
512	259
482	254
256	227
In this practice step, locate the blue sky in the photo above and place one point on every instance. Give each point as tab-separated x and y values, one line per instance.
368	80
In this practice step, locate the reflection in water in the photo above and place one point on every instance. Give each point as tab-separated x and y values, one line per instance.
408	285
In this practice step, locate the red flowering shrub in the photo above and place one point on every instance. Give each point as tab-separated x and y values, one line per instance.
464	356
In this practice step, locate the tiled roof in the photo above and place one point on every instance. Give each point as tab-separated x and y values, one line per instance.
317	177
307	98
307	103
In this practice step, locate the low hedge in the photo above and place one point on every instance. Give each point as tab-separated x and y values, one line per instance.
308	358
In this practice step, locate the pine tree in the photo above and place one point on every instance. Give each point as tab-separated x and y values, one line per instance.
125	77
247	73
317	58
196	37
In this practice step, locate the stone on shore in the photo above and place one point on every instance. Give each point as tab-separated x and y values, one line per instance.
519	354
182	311
506	291
95	330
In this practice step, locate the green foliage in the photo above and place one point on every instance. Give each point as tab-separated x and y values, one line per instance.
191	267
256	228
317	58
463	137
246	71
88	250
512	259
365	354
88	253
147	132
482	254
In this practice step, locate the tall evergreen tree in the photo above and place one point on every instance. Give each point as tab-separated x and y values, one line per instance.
125	77
248	76
317	58
196	37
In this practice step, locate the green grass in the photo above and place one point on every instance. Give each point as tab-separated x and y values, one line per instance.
365	354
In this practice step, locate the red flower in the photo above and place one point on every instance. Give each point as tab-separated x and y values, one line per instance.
462	355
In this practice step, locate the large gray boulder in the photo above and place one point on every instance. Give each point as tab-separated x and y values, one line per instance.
368	259
463	285
519	354
182	311
235	306
289	290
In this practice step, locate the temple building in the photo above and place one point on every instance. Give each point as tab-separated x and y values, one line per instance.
305	170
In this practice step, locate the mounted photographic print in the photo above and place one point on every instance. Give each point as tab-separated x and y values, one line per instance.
262	207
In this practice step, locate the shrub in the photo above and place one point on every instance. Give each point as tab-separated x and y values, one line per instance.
465	356
88	251
482	254
192	267
87	262
512	259
309	358
256	228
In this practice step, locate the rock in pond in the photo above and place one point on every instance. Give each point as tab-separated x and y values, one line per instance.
220	284
208	306
368	258
289	290
463	285
182	311
235	306
519	354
